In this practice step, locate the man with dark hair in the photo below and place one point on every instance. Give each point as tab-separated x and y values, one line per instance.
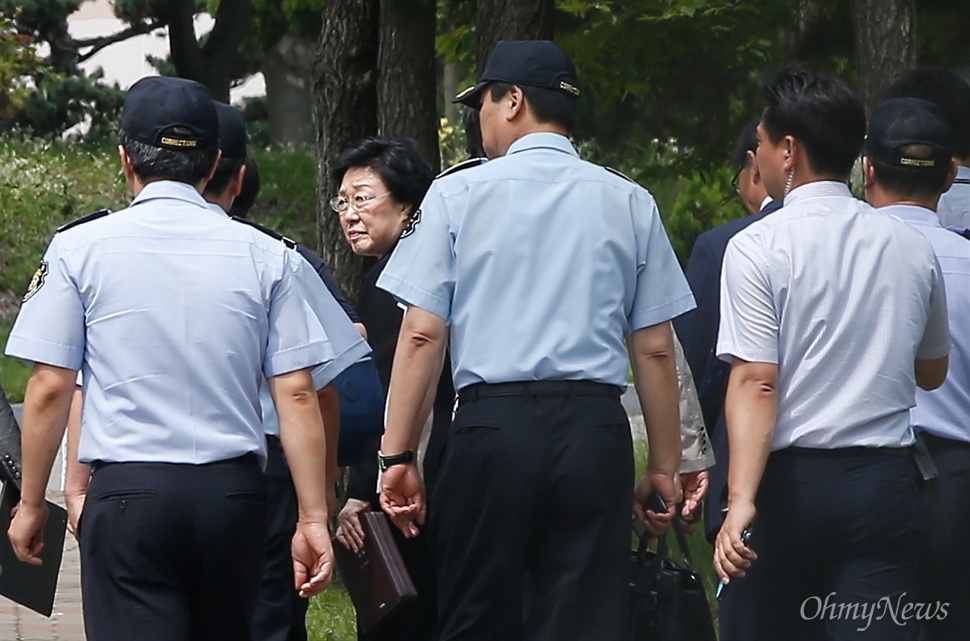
538	265
951	93
280	612
174	313
831	314
907	165
697	329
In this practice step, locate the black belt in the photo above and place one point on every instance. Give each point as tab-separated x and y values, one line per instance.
940	443
249	458
538	388
856	451
274	442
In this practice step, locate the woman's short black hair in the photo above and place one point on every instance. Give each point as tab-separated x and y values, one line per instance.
396	160
822	112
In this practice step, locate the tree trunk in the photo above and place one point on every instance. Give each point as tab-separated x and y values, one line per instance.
345	105
212	64
885	44
407	104
289	101
510	20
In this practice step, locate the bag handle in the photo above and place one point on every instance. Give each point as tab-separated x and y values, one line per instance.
662	549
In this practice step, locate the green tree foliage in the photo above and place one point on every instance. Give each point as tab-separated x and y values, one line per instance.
18	60
47	97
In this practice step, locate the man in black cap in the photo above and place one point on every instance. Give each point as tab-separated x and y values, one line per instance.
531	512
175	313
907	166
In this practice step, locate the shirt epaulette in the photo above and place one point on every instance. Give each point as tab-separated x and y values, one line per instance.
965	233
962	181
465	164
101	213
290	244
620	174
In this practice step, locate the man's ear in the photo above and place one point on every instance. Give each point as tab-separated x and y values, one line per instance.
753	166
516	102
212	170
125	160
236	184
868	173
951	176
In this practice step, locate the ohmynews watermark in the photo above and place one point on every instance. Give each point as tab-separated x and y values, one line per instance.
900	612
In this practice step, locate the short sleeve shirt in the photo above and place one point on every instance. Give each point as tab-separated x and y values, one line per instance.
540	263
175	314
347	346
844	299
954	207
945	411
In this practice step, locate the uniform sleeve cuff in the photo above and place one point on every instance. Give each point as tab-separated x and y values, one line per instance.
414	296
35	350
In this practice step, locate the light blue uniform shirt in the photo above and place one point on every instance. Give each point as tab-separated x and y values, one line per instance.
946	410
844	299
346	343
175	314
954	207
540	263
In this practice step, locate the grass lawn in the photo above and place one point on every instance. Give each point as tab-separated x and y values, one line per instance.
13	373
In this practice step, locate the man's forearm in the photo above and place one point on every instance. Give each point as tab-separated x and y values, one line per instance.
417	364
78	474
46	407
329	401
751	408
304	440
655	379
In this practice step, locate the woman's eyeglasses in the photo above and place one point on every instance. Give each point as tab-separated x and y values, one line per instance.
340	203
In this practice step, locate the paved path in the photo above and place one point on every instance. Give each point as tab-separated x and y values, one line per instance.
66	623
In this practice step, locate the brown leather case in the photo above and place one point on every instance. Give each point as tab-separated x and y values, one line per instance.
377	581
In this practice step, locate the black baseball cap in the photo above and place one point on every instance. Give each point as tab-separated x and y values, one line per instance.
530	63
232	131
172	113
899	122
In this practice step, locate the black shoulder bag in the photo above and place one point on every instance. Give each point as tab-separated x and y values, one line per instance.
668	600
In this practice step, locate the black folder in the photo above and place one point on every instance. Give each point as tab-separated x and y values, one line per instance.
377	581
31	586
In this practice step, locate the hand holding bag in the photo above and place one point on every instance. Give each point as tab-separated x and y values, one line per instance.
668	600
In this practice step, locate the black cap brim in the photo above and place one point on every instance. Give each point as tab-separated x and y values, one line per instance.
471	97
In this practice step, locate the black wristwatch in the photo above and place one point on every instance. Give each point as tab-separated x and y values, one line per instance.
385	462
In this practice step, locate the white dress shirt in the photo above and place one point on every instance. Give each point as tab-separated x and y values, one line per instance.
843	299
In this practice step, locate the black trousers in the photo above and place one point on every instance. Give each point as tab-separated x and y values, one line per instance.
280	613
837	538
172	552
946	556
531	520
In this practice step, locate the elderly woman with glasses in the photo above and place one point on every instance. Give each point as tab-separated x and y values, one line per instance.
382	182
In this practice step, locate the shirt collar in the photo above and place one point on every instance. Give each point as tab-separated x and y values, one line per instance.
963	173
913	214
818	189
169	189
764	203
542	140
216	208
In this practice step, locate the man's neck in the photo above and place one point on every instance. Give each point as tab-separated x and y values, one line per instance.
224	200
879	198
